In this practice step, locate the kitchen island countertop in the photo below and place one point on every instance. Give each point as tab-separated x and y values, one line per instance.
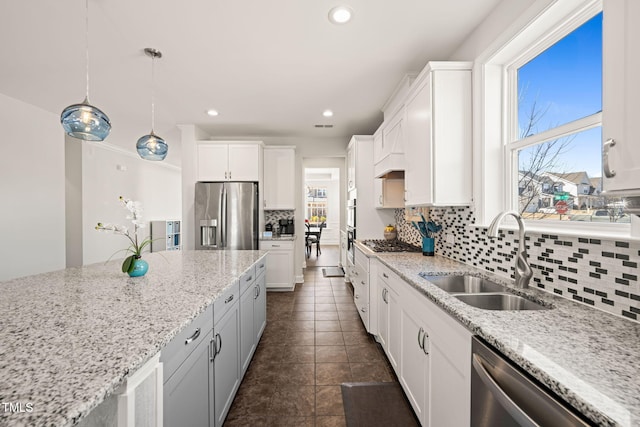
69	338
588	357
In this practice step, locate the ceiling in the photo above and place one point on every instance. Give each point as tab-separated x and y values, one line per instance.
269	67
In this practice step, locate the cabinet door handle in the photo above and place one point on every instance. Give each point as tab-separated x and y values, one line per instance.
195	335
608	172
228	300
424	346
385	275
356	296
364	310
420	340
212	350
275	246
384	296
218	347
229	174
257	291
225	175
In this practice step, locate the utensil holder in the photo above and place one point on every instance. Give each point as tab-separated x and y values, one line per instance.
428	244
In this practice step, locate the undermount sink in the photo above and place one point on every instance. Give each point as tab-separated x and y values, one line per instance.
499	301
482	293
464	284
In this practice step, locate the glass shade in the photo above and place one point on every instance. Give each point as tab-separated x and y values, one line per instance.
152	147
86	122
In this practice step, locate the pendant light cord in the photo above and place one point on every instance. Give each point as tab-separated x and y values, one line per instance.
153	107
86	36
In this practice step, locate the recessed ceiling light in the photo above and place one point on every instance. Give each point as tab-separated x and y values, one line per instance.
327	113
340	14
212	113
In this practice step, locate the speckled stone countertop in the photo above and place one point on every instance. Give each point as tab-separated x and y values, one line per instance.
588	357
69	338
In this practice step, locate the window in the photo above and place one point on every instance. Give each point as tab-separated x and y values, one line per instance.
316	207
555	138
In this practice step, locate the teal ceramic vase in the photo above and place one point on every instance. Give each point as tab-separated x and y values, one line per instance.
428	246
140	268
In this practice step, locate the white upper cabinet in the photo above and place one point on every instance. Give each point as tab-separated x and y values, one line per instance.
279	178
438	136
351	167
388	193
225	161
621	96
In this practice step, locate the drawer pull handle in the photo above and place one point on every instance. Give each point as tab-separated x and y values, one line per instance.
250	278
275	246
228	300
364	310
195	335
362	282
261	266
385	275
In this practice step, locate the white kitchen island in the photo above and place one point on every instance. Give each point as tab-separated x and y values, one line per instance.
70	338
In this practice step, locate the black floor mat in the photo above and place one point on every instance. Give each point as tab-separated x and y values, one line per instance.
376	404
332	272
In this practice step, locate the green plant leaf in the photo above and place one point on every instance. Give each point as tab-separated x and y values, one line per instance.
127	264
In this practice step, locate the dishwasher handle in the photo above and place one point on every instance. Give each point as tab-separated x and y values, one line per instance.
501	396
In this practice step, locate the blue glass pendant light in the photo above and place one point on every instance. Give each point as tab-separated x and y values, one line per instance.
83	120
152	147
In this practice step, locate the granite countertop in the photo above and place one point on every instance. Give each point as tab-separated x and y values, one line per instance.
588	357
69	338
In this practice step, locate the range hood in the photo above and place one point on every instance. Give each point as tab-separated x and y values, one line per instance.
391	164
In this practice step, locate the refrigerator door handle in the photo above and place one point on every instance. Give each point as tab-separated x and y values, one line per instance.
223	217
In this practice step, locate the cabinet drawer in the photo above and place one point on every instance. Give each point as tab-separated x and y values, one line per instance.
247	279
261	266
276	244
225	301
185	342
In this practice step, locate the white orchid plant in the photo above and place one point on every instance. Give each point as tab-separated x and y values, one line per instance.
136	247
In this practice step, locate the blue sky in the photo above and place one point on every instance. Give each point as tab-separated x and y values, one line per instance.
565	82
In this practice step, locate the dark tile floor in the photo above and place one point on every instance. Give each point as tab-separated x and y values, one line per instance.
314	341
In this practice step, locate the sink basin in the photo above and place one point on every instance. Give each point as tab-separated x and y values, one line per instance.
499	301
464	284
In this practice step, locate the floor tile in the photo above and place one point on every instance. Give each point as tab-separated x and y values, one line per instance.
299	338
252	400
327	315
246	421
329	400
328	325
325	300
332	373
364	354
371	372
346	307
357	338
301	325
352	326
329	338
303	307
293	401
325	307
300	354
343	300
290	422
331	353
302	315
330	421
295	374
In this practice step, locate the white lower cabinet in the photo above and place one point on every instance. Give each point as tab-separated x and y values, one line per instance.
429	351
280	263
253	317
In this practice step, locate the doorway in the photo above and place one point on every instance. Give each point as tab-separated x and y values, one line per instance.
322	216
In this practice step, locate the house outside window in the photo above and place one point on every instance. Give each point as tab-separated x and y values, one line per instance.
555	139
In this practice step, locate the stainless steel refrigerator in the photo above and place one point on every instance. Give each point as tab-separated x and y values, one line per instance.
226	215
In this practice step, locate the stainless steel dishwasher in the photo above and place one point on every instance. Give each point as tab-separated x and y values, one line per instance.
502	396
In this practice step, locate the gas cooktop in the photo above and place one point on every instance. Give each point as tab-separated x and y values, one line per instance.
390	246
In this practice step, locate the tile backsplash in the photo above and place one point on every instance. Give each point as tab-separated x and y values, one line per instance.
598	272
273	216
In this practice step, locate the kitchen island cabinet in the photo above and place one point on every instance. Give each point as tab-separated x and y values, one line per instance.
104	327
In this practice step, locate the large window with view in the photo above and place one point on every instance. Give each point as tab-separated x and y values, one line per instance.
556	137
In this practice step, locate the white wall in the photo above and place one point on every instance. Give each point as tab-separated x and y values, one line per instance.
32	190
109	172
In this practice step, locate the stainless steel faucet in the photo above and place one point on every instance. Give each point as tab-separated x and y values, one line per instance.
523	270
